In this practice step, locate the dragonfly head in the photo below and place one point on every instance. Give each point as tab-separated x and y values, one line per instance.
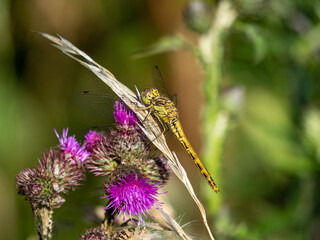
149	94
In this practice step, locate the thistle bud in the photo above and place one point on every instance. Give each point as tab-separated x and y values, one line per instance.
44	185
94	234
198	16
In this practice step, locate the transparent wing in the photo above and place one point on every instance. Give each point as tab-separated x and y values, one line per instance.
97	101
158	82
99	95
96	108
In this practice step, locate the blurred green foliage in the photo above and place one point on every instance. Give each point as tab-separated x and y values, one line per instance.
269	168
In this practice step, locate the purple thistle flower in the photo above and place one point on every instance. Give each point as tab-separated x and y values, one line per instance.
93	138
71	148
124	116
132	195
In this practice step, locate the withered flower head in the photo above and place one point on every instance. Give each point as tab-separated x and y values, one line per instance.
43	185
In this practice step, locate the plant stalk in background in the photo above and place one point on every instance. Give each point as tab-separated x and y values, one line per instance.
215	120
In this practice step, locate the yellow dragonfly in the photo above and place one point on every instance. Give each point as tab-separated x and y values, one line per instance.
164	109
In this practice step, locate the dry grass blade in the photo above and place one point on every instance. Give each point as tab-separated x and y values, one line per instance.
174	226
150	126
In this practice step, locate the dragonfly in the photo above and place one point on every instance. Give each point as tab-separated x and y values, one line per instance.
164	109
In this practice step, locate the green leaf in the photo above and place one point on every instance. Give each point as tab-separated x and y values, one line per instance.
165	44
255	36
311	124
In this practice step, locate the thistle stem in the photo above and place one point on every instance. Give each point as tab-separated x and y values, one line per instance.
43	222
108	222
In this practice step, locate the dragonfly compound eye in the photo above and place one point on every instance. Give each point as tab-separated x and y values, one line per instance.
155	92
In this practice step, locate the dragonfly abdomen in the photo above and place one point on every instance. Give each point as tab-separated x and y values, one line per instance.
176	128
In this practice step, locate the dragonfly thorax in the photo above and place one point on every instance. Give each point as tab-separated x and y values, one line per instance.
149	94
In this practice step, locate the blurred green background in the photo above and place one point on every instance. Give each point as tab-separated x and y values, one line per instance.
269	169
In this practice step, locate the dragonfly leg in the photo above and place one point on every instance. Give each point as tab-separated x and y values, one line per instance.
146	108
149	112
163	127
150	108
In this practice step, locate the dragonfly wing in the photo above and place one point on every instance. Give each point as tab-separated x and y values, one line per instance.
158	82
96	107
98	99
174	98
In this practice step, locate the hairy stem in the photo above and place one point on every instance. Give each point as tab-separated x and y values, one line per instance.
212	51
43	222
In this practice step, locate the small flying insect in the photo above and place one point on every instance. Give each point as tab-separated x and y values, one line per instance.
164	109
